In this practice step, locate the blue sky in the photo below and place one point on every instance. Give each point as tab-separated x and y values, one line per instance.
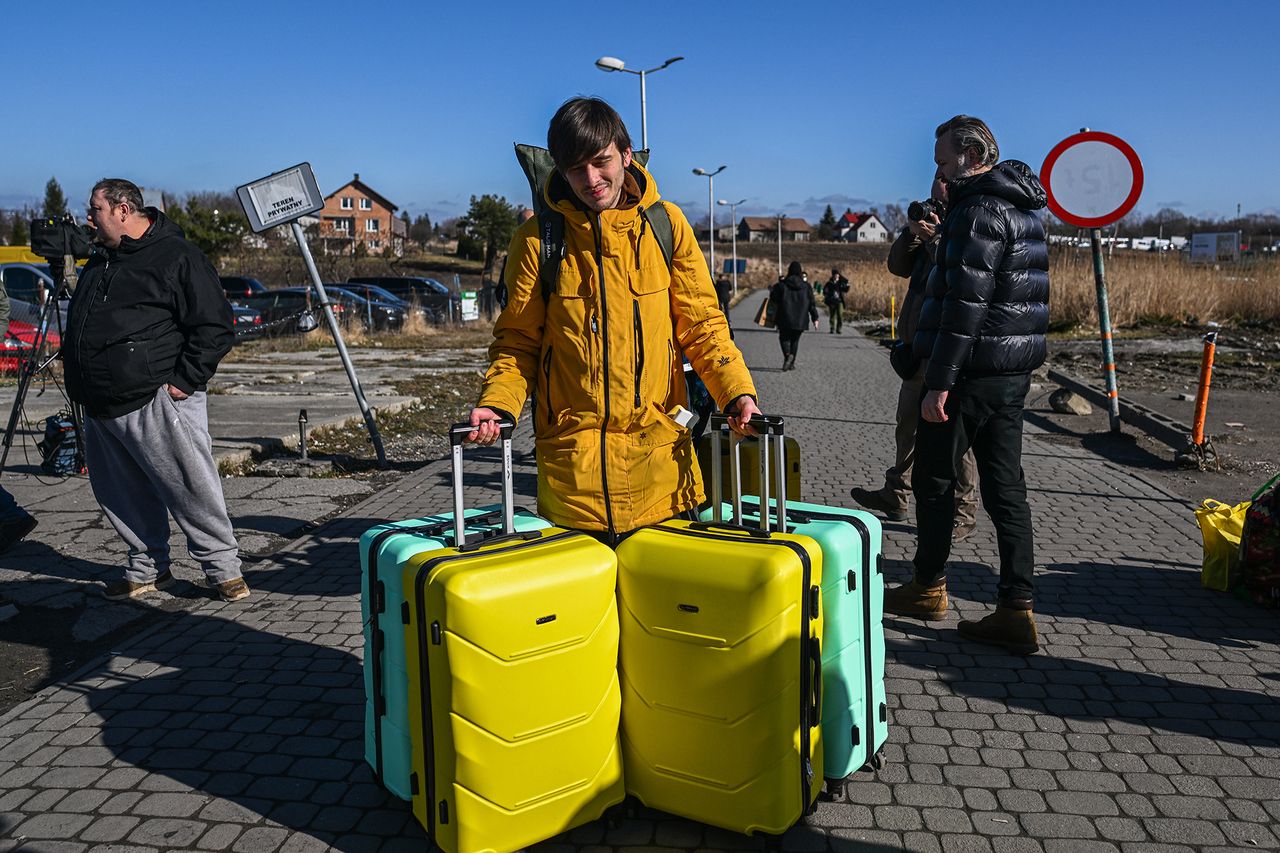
805	103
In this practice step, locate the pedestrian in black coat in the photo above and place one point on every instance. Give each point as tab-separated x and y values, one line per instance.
795	311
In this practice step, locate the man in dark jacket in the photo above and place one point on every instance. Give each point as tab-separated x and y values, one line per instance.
911	257
833	297
15	522
982	328
145	331
796	310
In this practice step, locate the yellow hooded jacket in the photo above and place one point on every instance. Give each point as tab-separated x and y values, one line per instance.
604	353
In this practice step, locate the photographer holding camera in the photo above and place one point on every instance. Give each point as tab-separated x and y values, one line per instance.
15	522
149	323
911	257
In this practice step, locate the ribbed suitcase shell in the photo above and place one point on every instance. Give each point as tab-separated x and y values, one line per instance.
514	699
853	647
383	552
720	658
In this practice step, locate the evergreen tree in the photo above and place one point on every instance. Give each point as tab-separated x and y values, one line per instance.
421	230
215	230
489	224
19	233
55	201
827	225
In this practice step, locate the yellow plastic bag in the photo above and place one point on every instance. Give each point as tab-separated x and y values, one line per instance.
1220	525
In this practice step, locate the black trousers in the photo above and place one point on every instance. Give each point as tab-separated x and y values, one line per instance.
984	413
790	340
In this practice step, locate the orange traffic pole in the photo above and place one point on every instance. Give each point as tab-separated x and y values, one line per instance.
1202	394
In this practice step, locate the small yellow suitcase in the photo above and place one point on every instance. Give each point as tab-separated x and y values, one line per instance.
511	645
721	667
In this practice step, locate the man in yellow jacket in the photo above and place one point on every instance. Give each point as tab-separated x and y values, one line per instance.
604	349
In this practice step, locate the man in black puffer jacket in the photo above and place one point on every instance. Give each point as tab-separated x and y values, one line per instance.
145	331
982	328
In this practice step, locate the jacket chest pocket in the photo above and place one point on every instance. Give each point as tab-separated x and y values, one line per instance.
572	339
650	333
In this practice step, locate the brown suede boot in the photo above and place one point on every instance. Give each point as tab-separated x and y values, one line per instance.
1012	626
918	601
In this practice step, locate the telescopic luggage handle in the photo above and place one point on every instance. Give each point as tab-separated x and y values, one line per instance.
771	429
457	435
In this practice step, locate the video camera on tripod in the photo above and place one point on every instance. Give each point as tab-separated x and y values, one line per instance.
61	241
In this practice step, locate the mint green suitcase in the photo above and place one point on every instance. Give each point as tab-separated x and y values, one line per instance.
384	550
854	712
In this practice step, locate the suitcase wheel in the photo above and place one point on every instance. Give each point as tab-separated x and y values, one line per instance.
877	761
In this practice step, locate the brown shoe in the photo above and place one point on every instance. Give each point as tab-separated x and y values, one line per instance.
122	590
961	530
1013	628
232	590
917	601
878	501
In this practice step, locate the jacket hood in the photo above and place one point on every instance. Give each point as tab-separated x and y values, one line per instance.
162	228
1011	180
638	189
795	282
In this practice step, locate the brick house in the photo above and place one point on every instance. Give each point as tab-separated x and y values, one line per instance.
861	228
764	229
356	213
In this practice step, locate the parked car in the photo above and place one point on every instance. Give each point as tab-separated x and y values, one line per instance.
16	343
282	304
28	285
248	323
240	287
372	314
439	301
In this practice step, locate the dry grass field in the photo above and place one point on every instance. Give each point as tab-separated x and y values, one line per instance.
1143	288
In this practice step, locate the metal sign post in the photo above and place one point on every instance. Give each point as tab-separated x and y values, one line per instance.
1093	179
282	198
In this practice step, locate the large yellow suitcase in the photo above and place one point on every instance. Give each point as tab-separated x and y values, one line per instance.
511	650
721	672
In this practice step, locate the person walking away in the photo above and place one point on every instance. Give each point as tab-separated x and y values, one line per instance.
833	293
911	257
147	327
982	328
796	311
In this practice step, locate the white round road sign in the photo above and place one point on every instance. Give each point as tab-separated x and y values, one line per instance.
1092	179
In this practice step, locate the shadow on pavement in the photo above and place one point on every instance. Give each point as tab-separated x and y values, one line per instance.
1122	449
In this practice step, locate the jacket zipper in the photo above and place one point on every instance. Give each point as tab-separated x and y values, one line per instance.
671	369
604	379
546	370
639	333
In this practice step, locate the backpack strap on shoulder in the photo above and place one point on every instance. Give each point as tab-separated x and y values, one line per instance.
660	224
551	250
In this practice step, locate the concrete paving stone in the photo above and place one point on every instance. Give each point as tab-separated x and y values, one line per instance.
1017	845
260	839
52	826
1082	803
966	844
219	836
1247	811
160	783
1198	786
170	805
109	828
1049	825
868	793
926	774
45	800
1057	845
86	800
860	840
928	795
921	842
226	811
897	818
1183	830
1085	761
1092	780
1247	836
943	820
801	838
167	833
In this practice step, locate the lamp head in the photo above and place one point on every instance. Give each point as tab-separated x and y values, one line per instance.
700	171
610	63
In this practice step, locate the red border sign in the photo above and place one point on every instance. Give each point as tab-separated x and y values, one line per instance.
1092	136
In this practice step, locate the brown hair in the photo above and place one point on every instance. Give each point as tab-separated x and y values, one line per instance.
118	191
969	132
582	128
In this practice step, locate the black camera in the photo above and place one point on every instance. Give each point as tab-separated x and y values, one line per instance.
57	236
917	211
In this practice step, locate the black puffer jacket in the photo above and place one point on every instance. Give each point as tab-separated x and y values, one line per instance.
148	313
986	306
796	307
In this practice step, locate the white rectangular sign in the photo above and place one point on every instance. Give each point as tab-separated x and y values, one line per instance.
1215	247
281	198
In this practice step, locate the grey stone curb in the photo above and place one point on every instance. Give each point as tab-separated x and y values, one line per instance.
1160	427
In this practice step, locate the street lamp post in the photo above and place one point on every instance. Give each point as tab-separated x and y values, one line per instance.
612	63
733	221
711	213
780	218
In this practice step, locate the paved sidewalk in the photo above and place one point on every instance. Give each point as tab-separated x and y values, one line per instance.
1149	722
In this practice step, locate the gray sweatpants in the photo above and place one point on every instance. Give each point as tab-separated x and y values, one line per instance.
154	462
